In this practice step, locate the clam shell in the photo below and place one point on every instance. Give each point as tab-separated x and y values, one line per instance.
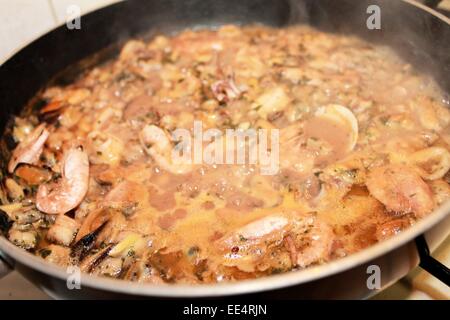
343	116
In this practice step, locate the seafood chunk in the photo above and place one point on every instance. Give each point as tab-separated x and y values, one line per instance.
111	267
25	215
433	163
126	196
56	254
93	221
29	150
33	175
270	227
225	90
15	191
391	228
5	222
141	271
23	239
246	247
320	242
303	238
274	100
105	148
84	244
401	189
63	231
158	145
66	194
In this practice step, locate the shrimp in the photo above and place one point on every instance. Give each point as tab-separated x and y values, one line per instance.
270	227
157	144
248	245
69	192
401	189
307	240
391	228
29	150
321	238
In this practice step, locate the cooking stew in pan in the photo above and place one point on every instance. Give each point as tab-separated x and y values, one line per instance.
357	139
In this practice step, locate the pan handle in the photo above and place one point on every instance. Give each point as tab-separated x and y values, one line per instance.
6	265
429	264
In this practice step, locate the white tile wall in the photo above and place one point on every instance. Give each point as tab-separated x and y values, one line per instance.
24	20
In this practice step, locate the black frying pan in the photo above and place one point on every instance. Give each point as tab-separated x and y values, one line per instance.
420	36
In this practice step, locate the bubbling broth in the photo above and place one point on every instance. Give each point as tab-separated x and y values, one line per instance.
358	138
